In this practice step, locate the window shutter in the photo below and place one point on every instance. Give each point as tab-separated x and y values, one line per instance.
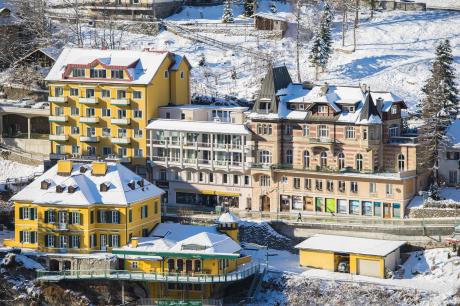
47	215
69	217
34	214
109	216
95	240
21	235
110	240
46	241
21	213
146	211
98	216
91	217
81	218
78	241
33	237
119	217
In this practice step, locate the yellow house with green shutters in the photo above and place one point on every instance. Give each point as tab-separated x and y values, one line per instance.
360	256
84	207
101	101
187	262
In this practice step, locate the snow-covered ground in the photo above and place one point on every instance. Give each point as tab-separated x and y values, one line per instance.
5	234
10	169
394	51
449	196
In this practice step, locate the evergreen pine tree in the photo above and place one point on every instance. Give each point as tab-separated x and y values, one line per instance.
248	6
227	16
322	42
273	8
438	108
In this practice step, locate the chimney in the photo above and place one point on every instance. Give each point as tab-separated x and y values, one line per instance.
132	184
104	187
141	183
134	242
72	188
45	184
60	188
307	85
324	88
364	88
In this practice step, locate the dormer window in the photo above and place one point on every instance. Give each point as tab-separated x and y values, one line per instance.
72	188
394	110
132	184
78	72
322	109
301	106
104	187
264	106
98	73
45	184
118	74
350	109
60	188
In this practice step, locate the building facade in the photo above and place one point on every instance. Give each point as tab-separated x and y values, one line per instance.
84	208
102	100
310	148
201	155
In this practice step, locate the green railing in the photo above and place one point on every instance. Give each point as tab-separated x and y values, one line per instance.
242	272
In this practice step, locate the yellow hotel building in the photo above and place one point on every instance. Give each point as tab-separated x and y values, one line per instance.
101	101
81	208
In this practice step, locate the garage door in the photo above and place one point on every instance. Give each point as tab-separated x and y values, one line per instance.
369	267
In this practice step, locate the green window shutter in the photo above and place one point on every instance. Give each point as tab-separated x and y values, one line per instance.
119	217
21	236
81	218
33	237
46	241
47	215
91	217
146	211
78	241
21	213
109	216
99	216
34	213
110	240
69	218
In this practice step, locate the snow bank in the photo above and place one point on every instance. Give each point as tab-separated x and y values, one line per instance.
11	169
28	263
263	234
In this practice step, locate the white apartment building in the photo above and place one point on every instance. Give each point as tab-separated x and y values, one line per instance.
201	154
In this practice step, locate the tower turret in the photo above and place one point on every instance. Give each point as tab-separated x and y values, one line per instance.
227	223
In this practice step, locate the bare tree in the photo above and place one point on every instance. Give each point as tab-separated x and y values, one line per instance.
76	20
356	23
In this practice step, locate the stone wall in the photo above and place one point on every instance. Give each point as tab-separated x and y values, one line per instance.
429	212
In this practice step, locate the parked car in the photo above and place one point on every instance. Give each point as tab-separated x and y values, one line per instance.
343	267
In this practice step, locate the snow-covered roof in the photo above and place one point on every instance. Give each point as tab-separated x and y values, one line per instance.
334	96
353	245
228	217
185	238
88	187
453	133
198	126
271	16
141	65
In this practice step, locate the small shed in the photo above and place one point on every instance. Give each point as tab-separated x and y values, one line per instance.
43	57
270	22
368	257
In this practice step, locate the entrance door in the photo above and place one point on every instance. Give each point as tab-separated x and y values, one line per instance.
265	203
387	210
308	204
319	204
369	268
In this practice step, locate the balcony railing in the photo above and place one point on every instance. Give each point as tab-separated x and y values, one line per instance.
92	100
89	119
323	140
403	140
120	121
199	162
57	99
242	272
89	139
120	102
176	142
58	137
59	118
121	140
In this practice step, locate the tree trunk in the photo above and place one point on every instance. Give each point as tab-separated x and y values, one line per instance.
344	21
355	27
298	42
372	8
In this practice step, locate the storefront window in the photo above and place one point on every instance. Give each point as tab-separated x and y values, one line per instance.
354	207
285	203
367	208
343	206
396	210
377	209
297	202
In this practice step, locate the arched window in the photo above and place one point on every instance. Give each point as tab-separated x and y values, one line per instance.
306	159
401	162
265	157
323	159
341	159
359	162
289	157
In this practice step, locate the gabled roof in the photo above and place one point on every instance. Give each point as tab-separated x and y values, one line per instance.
178	59
87	191
353	245
169	238
52	53
369	113
277	78
141	66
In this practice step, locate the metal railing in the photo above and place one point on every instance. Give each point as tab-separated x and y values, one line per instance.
242	272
